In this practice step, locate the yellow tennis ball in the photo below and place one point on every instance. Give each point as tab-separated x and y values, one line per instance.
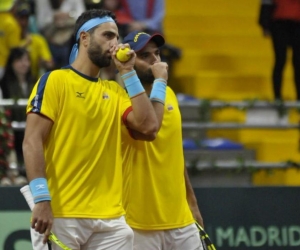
122	55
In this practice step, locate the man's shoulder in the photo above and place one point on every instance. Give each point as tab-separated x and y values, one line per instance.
55	75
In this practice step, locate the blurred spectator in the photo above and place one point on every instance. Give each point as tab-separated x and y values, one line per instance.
17	83
281	20
6	141
36	44
10	32
124	18
32	26
47	10
146	15
9	173
55	20
93	4
142	15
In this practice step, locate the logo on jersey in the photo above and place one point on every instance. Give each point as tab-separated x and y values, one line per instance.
170	107
80	94
105	96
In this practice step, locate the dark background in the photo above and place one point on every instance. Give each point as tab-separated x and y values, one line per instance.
234	211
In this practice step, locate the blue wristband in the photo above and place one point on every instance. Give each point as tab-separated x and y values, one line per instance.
39	190
158	93
132	84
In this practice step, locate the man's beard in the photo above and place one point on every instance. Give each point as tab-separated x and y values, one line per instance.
96	55
146	77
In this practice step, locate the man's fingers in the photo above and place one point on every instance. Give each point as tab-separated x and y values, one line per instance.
40	226
46	235
33	223
43	227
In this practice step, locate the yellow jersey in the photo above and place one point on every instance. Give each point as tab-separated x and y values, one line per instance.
83	150
38	51
10	35
154	184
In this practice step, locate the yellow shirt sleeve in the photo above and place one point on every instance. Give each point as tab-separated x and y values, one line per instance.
46	105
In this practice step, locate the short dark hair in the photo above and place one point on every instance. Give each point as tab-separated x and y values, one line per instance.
90	14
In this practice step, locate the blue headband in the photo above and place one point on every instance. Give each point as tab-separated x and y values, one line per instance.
86	27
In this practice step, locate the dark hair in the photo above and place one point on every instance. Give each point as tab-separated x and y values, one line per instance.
9	74
90	14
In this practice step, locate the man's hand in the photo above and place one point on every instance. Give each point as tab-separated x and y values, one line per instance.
123	67
42	219
197	215
160	70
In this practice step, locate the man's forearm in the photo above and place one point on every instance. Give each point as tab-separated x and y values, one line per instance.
191	199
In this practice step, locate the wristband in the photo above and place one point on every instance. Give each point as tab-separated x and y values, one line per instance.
39	190
132	84
158	93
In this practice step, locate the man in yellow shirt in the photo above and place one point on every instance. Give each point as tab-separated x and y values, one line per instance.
72	144
37	46
10	32
158	198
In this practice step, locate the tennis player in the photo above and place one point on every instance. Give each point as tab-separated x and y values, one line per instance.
158	198
72	144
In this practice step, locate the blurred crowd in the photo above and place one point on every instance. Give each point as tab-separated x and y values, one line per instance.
36	37
280	19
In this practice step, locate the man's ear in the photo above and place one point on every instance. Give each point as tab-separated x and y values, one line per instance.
84	38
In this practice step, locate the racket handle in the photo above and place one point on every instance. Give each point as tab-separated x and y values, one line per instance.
28	196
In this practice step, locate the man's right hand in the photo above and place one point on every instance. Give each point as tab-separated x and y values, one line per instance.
42	219
160	70
123	67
